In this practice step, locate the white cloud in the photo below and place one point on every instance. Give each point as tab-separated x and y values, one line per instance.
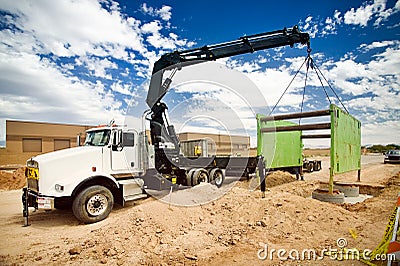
367	12
157	40
331	24
337	17
262	59
35	89
164	12
355	16
381	133
316	26
273	82
122	88
397	6
379	77
385	14
359	16
243	67
60	56
310	26
97	67
69	28
379	44
151	27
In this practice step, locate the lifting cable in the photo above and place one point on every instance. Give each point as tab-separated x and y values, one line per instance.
310	63
309	60
290	83
326	94
334	92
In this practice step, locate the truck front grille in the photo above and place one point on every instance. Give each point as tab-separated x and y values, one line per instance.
33	184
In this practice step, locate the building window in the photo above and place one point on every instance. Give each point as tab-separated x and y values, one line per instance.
60	144
32	145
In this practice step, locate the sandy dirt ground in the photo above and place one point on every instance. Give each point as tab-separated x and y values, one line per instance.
236	229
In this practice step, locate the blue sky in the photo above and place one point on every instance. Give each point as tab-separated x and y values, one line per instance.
87	61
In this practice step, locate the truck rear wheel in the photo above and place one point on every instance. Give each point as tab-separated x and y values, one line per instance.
199	176
217	177
189	176
93	204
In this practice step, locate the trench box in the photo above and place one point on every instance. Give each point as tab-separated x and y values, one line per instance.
280	140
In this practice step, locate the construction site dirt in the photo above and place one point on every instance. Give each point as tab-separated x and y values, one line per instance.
239	228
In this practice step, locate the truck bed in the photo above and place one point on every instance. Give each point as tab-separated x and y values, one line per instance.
234	166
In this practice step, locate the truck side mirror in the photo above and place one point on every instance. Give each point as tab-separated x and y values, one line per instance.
117	141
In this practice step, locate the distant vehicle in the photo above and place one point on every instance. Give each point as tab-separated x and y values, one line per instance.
311	165
392	156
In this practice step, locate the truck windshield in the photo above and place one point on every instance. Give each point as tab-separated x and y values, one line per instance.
97	138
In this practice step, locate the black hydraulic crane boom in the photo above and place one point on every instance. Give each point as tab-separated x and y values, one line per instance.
243	45
161	131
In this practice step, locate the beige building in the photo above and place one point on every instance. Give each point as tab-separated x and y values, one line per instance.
27	139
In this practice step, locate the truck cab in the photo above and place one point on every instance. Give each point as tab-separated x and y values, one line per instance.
107	168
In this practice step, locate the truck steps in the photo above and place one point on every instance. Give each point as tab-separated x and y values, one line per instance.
134	197
132	189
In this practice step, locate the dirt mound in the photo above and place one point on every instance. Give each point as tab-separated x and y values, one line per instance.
12	179
277	178
231	230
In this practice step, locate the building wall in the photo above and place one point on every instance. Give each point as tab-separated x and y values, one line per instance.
22	138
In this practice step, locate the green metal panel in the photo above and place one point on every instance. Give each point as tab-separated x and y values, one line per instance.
280	149
345	141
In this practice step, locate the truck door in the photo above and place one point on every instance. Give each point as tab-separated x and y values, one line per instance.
124	153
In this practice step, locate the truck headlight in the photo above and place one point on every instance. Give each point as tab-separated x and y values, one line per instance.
32	163
59	188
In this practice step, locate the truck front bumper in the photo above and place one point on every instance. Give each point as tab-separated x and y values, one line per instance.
31	198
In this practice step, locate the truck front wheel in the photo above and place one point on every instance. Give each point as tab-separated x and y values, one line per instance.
93	204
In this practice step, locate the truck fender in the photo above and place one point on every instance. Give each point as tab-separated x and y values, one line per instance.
103	180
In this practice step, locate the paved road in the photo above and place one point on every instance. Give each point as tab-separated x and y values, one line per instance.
373	170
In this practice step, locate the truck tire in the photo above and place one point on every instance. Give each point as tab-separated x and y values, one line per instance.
189	176
317	166
310	167
200	175
93	204
217	177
